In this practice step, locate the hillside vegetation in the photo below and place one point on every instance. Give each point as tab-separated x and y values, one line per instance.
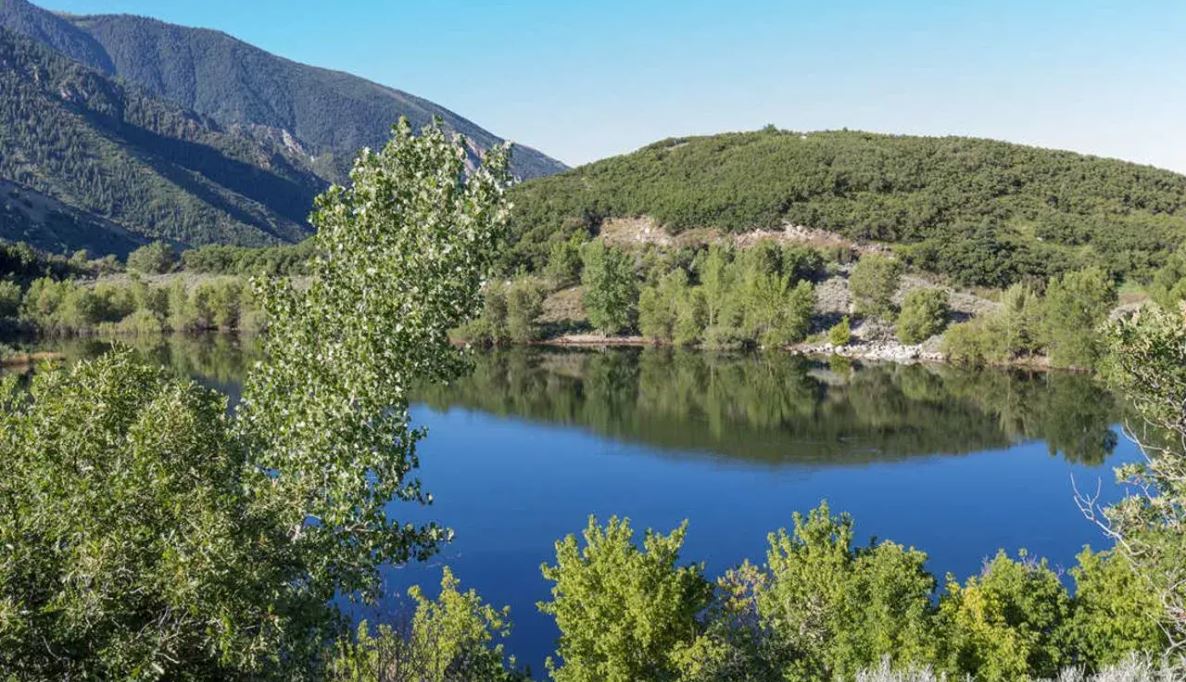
985	212
91	162
326	116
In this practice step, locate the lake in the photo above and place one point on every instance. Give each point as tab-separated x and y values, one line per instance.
521	451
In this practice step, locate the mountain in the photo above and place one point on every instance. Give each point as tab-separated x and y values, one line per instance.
985	212
87	161
325	116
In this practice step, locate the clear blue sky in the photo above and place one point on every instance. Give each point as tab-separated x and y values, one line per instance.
584	80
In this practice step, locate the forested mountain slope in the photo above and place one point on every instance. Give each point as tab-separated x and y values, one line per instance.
326	116
985	212
122	167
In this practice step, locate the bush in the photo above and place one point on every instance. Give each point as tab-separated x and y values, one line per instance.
873	283
155	258
924	314
450	638
1115	614
841	333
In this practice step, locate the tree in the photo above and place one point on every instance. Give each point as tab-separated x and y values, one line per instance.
1076	305
1006	624
873	282
924	314
611	293
1146	362
149	534
152	259
624	613
10	298
659	306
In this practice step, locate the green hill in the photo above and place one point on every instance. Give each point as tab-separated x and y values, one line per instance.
88	161
326	116
985	212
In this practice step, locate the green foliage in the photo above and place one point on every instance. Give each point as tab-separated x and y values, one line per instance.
659	306
1011	332
450	638
624	613
873	283
151	535
10	298
1006	624
1077	303
1169	283
152	259
525	300
840	334
987	213
924	314
564	260
833	610
1115	614
611	293
1147	361
221	259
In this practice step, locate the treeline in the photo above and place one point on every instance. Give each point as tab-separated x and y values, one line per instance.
819	607
984	212
1063	325
134	307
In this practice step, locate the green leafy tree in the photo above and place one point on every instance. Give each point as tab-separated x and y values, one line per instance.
524	302
564	260
659	305
924	314
1076	305
611	292
1146	361
873	283
1115	614
150	535
154	258
834	610
624	613
1168	287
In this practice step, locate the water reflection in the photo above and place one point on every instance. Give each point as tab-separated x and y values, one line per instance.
781	409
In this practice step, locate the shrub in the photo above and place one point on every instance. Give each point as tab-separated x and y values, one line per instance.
841	333
1115	613
155	258
450	638
924	314
873	282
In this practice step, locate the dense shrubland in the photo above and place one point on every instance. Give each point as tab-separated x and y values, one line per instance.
984	212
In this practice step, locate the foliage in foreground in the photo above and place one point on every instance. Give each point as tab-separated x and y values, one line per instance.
152	535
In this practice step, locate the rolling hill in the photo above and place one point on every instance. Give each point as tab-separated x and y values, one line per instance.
985	212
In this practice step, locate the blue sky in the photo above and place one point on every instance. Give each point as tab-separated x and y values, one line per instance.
585	80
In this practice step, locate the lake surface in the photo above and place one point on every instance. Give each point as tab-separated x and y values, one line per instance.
955	462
